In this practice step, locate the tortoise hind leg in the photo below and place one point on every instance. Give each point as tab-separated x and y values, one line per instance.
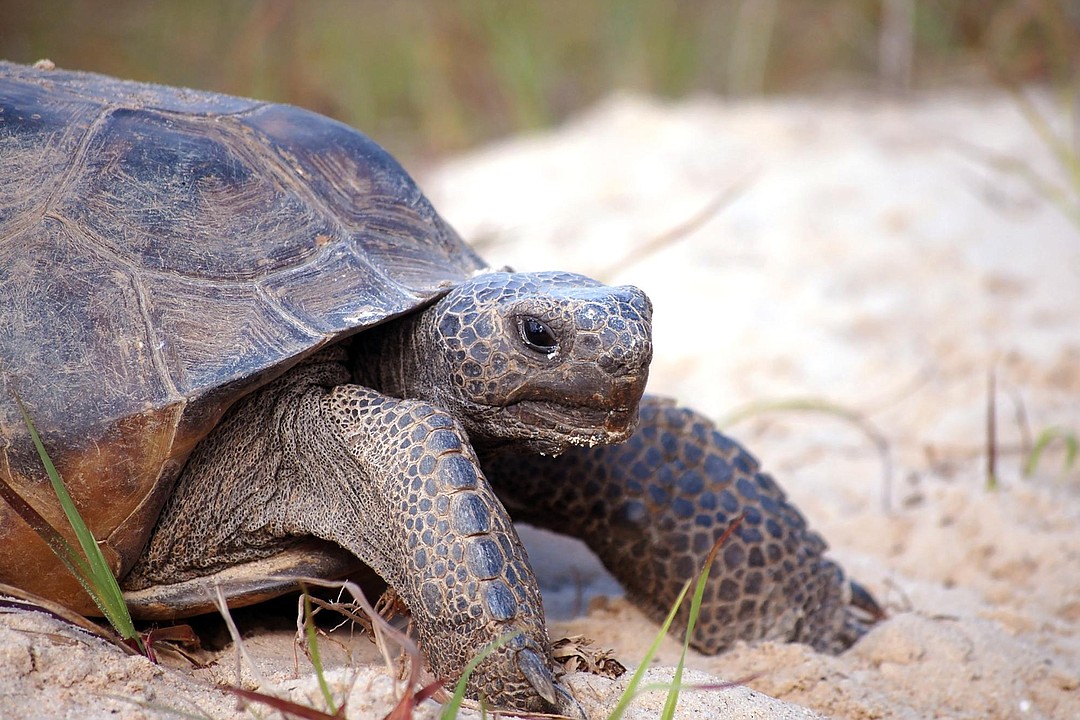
392	481
651	509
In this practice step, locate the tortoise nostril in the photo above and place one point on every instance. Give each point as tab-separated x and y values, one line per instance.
630	355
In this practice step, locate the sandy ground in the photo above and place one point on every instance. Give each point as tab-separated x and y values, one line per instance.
879	256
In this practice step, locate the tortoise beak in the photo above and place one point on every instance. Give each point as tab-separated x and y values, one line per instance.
621	423
621	402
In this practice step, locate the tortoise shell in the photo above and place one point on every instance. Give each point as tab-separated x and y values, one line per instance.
163	252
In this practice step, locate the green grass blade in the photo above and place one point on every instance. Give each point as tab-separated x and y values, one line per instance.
634	687
316	660
635	680
676	681
451	709
1047	436
92	571
695	610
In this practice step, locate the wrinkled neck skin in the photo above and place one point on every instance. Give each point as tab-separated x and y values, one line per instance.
402	359
388	358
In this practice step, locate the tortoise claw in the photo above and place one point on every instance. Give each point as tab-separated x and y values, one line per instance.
568	705
864	601
536	671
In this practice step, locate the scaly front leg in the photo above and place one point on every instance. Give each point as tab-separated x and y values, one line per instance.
652	507
394	482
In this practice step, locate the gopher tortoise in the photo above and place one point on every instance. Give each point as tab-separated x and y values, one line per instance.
256	353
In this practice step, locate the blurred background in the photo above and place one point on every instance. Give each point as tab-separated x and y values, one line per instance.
428	78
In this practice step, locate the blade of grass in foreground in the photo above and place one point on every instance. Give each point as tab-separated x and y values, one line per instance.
316	659
695	610
635	679
91	570
634	686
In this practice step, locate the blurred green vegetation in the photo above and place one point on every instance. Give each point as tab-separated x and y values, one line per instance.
430	77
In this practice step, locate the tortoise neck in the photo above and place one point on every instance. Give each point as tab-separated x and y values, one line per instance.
396	358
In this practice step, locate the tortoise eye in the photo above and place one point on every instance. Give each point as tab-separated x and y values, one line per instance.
537	336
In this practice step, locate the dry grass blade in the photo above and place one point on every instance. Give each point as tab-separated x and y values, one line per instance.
383	630
698	687
182	634
307	626
411	698
818	405
711	687
684	229
241	650
18	599
379	625
408	702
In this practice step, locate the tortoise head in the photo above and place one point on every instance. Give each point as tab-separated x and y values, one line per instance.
541	361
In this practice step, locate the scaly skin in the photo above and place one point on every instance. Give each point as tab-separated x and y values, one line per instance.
652	507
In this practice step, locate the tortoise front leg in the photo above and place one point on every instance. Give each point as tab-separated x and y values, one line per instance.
393	481
651	509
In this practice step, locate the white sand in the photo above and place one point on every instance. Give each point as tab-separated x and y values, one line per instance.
873	257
